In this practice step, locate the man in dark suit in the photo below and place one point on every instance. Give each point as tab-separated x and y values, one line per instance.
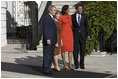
49	39
81	33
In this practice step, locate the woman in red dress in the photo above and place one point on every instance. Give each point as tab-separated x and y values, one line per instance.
67	36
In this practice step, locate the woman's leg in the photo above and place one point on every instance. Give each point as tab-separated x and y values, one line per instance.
63	58
52	66
70	54
56	62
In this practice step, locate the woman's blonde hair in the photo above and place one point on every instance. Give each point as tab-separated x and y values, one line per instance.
57	11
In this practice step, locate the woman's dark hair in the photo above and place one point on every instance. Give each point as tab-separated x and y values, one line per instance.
64	8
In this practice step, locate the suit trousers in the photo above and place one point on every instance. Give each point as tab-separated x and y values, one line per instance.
48	54
79	46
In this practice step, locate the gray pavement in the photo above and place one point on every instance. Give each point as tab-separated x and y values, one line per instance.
29	65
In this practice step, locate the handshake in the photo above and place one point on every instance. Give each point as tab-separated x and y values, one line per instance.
56	45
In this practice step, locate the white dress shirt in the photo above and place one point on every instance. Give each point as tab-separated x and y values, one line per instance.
77	17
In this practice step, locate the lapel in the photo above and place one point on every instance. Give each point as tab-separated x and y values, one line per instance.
51	19
81	18
76	19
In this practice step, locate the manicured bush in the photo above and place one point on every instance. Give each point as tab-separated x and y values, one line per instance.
102	18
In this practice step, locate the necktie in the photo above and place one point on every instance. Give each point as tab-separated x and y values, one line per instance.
54	20
79	20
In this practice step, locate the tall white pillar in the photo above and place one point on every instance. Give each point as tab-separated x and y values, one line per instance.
3	24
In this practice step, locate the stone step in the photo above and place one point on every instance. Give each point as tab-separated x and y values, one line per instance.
71	4
71	9
64	2
16	41
103	54
60	6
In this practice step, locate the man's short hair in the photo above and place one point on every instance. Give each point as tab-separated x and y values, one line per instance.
81	3
78	6
50	7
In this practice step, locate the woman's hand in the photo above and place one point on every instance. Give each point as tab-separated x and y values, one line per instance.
56	45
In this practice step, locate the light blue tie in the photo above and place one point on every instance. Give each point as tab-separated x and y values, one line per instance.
79	20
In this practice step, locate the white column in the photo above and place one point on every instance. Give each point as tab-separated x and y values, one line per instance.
3	24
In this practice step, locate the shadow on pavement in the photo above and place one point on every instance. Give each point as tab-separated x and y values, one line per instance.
28	66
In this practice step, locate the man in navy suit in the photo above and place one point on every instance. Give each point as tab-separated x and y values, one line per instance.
81	33
49	39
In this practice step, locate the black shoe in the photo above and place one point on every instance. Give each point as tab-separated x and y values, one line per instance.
53	69
48	73
82	67
57	70
76	67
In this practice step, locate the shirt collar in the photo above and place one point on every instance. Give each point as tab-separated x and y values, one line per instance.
78	14
50	15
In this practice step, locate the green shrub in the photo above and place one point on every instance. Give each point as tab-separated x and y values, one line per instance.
102	18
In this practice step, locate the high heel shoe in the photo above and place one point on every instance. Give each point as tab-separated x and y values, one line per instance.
53	68
71	67
65	67
57	69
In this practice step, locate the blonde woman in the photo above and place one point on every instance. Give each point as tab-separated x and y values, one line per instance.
59	42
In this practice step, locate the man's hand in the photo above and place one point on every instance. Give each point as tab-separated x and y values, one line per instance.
48	42
88	37
56	45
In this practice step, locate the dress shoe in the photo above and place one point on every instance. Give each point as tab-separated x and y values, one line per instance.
65	67
48	73
53	69
71	68
57	69
76	67
82	67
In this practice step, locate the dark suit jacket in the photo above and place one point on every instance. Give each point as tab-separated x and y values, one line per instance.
84	27
49	30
